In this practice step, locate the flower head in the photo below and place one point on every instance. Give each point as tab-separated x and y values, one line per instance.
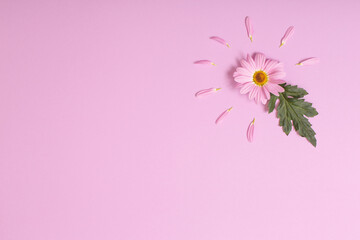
259	77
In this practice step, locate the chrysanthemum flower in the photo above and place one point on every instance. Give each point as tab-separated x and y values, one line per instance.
259	77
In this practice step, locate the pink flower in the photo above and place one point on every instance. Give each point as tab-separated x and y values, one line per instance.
259	77
250	131
206	92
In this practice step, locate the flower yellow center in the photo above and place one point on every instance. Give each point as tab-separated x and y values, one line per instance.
260	78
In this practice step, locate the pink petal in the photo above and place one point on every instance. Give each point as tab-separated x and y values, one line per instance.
249	28
236	74
243	79
264	100
253	92
222	116
266	92
277	75
309	61
247	87
260	60
289	32
251	61
220	40
258	95
279	67
238	85
263	97
247	65
274	88
269	64
206	62
250	131
206	92
277	81
243	71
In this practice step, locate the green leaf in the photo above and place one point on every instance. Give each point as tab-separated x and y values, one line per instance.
293	111
283	114
304	129
272	101
303	107
294	91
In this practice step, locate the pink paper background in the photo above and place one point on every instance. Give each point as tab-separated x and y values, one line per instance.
101	136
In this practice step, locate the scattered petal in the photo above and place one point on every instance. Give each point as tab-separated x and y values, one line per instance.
309	61
223	116
206	62
289	32
249	28
206	92
250	131
220	40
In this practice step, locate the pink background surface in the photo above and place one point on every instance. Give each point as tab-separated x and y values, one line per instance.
101	136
